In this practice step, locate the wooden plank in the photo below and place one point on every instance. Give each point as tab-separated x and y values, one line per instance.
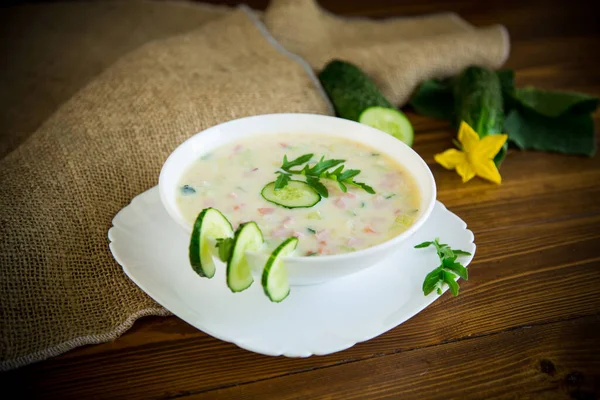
530	284
555	361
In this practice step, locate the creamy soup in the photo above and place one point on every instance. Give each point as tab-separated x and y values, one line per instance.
231	178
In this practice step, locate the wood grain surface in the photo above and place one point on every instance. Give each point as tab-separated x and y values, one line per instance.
525	326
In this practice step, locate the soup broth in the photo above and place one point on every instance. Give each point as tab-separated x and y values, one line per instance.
231	178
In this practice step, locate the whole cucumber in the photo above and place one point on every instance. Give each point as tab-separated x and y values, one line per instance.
350	90
478	101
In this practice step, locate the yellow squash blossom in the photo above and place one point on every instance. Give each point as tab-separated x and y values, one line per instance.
476	157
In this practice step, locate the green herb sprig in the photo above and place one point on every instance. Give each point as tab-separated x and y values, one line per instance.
320	170
447	271
225	247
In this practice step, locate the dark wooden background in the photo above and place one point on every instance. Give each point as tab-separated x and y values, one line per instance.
525	326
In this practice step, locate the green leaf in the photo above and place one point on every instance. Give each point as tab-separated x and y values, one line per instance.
507	80
569	134
432	280
434	99
225	247
317	185
281	181
423	245
343	187
364	186
298	161
554	103
461	253
449	279
324	165
347	174
456	268
338	170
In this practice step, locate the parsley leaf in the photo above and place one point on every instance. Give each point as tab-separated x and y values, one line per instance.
318	171
447	271
294	163
317	185
282	181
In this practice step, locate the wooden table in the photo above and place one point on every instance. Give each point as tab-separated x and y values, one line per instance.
524	326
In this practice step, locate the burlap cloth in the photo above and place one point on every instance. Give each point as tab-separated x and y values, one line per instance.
96	95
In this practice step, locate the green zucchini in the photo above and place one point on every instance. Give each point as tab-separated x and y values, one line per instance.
274	277
296	194
479	102
248	237
210	224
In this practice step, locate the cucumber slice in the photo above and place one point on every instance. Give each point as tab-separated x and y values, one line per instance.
274	277
248	237
210	223
296	194
389	120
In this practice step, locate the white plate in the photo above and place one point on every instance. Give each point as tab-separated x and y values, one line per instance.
319	319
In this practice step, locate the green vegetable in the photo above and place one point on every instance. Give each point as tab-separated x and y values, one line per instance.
478	102
572	134
210	224
389	120
248	237
448	270
356	97
274	277
294	194
535	119
351	91
555	104
434	98
317	172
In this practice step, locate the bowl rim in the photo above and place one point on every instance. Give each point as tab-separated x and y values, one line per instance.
394	241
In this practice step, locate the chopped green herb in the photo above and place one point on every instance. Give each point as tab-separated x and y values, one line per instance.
241	189
317	172
311	230
389	196
363	204
375	154
187	189
447	271
351	212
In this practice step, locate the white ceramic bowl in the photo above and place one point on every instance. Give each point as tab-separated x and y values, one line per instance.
303	270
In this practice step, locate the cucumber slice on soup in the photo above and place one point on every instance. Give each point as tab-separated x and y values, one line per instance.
296	194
